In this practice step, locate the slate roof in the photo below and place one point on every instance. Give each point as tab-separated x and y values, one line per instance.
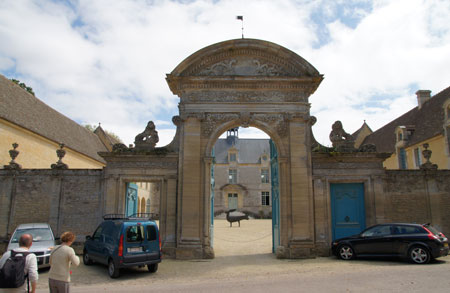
25	110
356	133
427	122
250	149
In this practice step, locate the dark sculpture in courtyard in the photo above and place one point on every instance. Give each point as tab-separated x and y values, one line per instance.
147	139
235	218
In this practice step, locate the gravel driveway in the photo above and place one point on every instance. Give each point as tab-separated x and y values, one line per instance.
244	263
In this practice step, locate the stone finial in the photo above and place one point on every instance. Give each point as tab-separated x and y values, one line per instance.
13	154
341	140
60	153
146	140
427	155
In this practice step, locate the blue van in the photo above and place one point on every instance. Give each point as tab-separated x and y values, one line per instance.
121	242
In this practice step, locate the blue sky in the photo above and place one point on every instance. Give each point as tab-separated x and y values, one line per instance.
106	61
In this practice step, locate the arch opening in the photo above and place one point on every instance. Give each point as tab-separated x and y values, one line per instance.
243	205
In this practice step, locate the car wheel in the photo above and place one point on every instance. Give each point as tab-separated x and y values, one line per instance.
86	260
113	271
419	255
152	268
345	252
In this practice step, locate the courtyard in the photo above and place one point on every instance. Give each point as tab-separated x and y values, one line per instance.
244	263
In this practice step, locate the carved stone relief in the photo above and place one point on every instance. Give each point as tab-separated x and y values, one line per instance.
142	164
240	97
278	122
244	67
238	61
211	122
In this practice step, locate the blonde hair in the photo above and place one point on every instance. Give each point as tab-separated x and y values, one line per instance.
67	237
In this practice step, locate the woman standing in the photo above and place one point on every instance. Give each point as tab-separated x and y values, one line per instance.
61	258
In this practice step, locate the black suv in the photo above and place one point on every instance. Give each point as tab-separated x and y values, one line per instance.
121	242
418	242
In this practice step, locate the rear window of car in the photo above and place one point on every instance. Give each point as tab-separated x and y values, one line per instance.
432	229
408	230
135	233
151	233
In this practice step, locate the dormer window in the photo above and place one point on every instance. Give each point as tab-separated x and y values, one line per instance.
400	136
232	157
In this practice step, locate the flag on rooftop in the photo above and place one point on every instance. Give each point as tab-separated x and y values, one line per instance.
240	17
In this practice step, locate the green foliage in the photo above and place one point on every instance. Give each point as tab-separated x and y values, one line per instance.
23	85
92	127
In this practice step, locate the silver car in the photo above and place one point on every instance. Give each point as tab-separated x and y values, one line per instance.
43	241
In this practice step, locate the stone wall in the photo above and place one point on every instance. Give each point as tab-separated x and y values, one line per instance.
67	200
418	196
413	196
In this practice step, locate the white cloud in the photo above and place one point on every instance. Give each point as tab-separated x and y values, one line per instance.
105	61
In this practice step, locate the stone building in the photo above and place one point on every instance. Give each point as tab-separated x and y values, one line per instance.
242	175
38	130
405	137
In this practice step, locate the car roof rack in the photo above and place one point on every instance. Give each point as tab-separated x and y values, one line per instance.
135	216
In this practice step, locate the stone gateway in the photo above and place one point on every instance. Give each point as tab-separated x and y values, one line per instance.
317	193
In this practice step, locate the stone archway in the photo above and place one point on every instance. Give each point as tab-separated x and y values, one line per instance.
244	82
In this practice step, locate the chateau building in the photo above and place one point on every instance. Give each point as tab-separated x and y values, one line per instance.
242	175
426	126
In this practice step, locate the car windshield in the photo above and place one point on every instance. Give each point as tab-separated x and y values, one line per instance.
39	234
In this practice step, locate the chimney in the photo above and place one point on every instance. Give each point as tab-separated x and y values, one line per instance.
422	97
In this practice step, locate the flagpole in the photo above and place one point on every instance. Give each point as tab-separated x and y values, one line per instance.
241	18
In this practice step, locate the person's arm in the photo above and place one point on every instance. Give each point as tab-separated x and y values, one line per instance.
33	287
74	258
32	271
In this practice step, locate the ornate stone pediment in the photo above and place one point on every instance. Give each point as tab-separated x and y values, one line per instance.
244	67
244	64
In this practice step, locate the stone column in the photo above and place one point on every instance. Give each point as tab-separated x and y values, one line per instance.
189	219
208	250
167	213
112	194
302	227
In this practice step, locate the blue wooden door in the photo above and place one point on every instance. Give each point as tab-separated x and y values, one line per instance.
131	199
275	196
213	185
347	209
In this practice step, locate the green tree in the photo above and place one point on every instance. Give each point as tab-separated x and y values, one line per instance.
23	85
92	127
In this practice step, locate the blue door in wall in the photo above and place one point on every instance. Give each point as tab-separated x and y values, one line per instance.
275	190
131	199
347	209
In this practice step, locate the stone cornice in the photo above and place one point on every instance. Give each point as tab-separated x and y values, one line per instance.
181	84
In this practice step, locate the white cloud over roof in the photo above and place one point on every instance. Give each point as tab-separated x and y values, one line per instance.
105	61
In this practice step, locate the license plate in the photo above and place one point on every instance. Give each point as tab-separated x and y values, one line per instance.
134	249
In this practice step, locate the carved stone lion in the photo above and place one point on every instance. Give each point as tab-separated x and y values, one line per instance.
341	140
147	139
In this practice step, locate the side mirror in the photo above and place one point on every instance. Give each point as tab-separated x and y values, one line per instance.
88	237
